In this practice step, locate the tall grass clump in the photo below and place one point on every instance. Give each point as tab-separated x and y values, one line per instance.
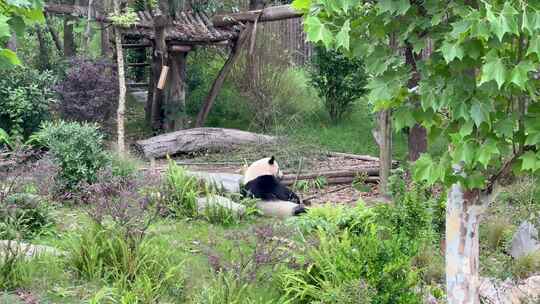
14	271
23	215
180	191
115	246
77	149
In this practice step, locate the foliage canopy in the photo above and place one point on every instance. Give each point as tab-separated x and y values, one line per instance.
477	87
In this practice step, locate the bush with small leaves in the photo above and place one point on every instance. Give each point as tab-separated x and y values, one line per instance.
77	149
25	100
338	79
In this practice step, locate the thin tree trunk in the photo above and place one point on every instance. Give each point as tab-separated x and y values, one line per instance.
54	35
12	42
417	135
462	249
121	83
383	137
69	39
44	63
104	7
417	142
88	32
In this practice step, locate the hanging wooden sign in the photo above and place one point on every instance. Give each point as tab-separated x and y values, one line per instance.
163	77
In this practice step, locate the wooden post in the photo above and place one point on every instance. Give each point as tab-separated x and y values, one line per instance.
159	58
218	82
383	137
175	92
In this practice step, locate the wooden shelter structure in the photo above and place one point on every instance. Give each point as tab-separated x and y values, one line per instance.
171	39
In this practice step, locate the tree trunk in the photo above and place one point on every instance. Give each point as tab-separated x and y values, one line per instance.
44	63
69	39
462	250
418	134
88	31
383	137
175	101
12	42
121	83
54	35
417	142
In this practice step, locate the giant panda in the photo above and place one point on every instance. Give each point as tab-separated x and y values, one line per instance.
261	180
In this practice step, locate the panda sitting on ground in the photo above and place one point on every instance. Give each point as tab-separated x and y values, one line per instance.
261	180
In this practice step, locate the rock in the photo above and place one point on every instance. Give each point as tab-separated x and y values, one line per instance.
30	250
493	291
525	240
226	181
277	208
216	200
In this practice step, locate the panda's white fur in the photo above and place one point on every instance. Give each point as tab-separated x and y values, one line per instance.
262	167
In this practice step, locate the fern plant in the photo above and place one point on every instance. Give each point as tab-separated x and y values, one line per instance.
5	139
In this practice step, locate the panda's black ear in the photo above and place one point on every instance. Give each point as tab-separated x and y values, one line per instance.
271	161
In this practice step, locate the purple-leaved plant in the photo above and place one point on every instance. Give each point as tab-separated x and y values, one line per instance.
89	92
256	254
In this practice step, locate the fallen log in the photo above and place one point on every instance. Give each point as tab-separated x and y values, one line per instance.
338	180
371	171
357	156
198	140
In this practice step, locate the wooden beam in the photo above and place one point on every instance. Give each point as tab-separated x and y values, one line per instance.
180	48
136	45
138	64
218	82
273	13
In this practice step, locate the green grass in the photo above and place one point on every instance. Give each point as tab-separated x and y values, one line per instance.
352	135
52	280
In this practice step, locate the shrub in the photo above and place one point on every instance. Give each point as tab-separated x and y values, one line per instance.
383	246
498	233
77	149
255	255
89	92
340	260
25	99
526	266
339	80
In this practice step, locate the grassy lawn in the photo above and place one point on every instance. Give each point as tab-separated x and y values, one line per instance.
352	135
